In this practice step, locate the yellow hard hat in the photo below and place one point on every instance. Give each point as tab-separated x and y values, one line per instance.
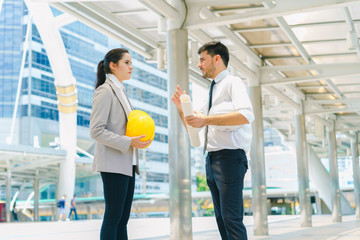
140	123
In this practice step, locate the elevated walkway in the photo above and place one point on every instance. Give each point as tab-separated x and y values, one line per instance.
204	228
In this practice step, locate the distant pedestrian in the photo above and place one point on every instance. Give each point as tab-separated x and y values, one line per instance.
14	213
61	204
73	207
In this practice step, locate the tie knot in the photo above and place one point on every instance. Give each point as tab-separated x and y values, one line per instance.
212	83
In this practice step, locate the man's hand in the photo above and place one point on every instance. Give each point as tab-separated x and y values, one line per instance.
198	120
176	97
137	143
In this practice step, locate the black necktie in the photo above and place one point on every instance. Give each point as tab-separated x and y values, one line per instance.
210	103
210	94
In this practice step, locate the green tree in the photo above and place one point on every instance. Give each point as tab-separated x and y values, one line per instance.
201	184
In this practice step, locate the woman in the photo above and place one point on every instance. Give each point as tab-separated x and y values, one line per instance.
115	154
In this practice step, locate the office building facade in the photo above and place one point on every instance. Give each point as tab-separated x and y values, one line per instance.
37	116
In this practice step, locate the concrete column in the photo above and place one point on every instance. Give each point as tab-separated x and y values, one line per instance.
334	177
65	84
179	145
36	197
356	176
303	171
8	193
257	162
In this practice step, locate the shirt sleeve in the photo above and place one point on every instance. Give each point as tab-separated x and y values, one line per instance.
240	99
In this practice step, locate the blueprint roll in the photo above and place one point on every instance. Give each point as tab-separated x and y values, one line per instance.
187	108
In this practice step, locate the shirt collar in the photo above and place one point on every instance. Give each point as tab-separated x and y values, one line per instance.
221	76
115	81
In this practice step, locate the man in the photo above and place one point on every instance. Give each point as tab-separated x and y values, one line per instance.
73	207
226	116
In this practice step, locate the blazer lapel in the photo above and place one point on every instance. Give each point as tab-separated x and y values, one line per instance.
116	90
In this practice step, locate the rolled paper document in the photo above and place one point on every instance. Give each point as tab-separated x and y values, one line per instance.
187	108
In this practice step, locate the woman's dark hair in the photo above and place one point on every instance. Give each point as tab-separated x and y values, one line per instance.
216	48
104	65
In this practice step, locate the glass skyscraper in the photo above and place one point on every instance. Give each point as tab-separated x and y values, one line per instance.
37	116
11	37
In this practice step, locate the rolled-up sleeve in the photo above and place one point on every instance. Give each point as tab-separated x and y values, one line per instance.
240	99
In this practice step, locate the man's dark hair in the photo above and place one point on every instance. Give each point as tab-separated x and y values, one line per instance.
216	48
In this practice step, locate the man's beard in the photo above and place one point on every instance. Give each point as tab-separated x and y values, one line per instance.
209	73
205	75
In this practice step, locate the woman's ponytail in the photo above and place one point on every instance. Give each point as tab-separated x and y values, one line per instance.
101	77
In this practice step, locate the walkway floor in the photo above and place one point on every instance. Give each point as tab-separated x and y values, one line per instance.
280	228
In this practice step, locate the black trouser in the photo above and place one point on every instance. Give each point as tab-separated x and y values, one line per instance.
73	210
225	171
118	195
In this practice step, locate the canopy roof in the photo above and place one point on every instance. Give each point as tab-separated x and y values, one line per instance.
25	163
305	54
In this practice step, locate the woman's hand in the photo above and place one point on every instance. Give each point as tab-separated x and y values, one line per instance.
137	143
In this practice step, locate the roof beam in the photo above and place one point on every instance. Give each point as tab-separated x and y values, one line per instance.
269	82
130	12
240	45
283	97
255	29
272	28
64	19
232	9
326	71
353	33
309	110
63	1
101	27
333	67
213	3
293	38
312	56
35	164
288	44
341	129
333	101
289	87
321	120
136	34
282	8
299	47
161	8
330	93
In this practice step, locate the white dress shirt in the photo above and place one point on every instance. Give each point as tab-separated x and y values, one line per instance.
229	94
123	95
